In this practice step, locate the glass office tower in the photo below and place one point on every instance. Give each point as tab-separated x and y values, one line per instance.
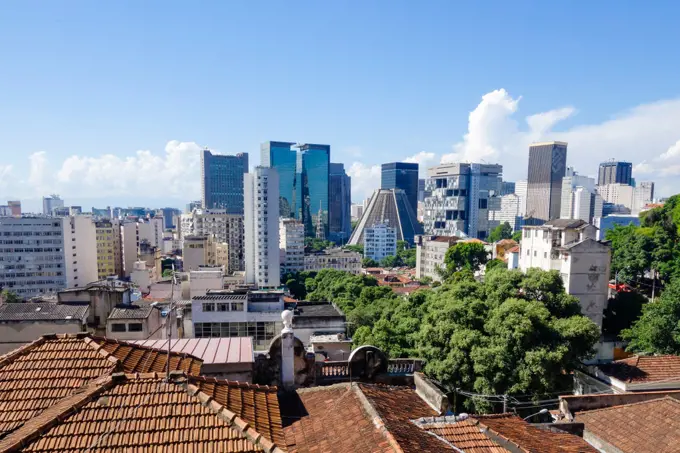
282	157
340	200
315	164
222	181
404	176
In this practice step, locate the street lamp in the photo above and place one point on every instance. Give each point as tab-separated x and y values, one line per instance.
541	412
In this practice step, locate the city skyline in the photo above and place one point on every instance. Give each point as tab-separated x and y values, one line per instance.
92	119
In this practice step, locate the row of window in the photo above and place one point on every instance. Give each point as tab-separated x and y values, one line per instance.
223	306
13	283
261	332
127	327
31	250
31	233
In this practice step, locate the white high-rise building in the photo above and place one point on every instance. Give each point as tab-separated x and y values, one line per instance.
129	239
617	194
51	203
292	245
579	198
643	194
261	209
521	192
380	241
80	250
151	230
510	212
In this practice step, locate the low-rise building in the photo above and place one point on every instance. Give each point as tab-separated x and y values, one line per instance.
134	322
634	374
330	346
340	259
204	280
101	297
198	251
317	318
569	247
380	241
292	245
143	276
430	254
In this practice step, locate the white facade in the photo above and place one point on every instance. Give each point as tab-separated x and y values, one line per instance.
430	254
579	198
618	194
186	225
569	247
643	194
129	245
521	192
510	212
340	259
261	198
226	228
380	241
292	245
143	276
80	251
356	211
151	230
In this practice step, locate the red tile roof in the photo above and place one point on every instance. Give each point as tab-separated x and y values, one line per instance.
644	369
647	427
465	435
140	413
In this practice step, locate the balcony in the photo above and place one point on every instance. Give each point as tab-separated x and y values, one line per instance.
339	371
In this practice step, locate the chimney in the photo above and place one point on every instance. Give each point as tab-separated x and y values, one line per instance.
287	351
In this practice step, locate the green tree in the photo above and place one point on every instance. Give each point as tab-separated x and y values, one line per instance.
390	261
369	262
517	236
631	252
356	248
317	245
496	263
9	297
621	312
502	231
465	256
657	331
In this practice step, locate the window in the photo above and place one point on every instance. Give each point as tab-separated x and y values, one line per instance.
535	253
223	307
209	306
117	327
545	254
135	327
483	203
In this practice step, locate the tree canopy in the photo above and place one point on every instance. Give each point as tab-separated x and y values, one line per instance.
317	245
9	297
502	231
465	256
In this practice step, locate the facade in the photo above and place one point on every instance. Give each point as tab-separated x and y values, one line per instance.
340	200
615	173
151	230
262	228
109	253
51	203
32	258
222	181
380	241
80	251
340	259
547	167
643	194
14	207
507	187
463	198
291	245
129	246
134	323
510	212
404	176
390	207
521	192
430	254
282	157
422	193
569	247
226	228
579	199
201	281
198	251
143	276
622	197
357	211
315	184
222	254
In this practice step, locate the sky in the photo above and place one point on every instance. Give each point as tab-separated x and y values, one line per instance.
109	103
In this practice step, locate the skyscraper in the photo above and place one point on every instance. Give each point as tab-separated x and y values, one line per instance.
282	157
222	181
315	161
507	187
261	225
547	167
51	203
615	173
404	176
340	190
579	200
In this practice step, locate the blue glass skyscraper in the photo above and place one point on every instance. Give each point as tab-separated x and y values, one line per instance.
404	176
315	163
339	204
284	159
222	181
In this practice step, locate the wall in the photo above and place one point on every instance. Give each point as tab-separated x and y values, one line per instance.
16	334
150	328
201	281
130	245
587	277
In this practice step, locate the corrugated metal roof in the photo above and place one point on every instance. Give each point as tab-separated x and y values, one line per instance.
211	351
222	297
131	312
41	312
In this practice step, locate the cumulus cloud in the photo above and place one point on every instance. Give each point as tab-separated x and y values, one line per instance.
365	179
424	160
5	175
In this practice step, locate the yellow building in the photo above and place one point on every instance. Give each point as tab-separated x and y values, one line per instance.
107	244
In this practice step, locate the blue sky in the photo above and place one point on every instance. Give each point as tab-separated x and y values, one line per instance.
85	85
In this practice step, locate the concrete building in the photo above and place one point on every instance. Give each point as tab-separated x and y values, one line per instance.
547	167
5	211
580	199
430	254
80	251
151	255
569	246
617	194
14	207
129	235
291	245
380	241
521	192
222	255
510	212
463	196
109	253
317	318
51	203
507	187
143	276
615	173
340	259
151	230
339	202
226	228
357	210
390	207
404	176
32	258
262	228
134	322
101	297
643	194
422	192
222	181
198	251
24	323
204	280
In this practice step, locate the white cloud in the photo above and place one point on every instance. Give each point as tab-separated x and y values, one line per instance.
365	179
424	160
5	175
672	153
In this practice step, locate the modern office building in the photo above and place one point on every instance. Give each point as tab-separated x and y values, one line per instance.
168	215
51	203
463	196
380	241
291	245
404	176
315	183
507	187
615	173
261	224
510	212
643	194
422	193
225	228
222	181
340	201
390	207
32	258
547	167
579	200
284	159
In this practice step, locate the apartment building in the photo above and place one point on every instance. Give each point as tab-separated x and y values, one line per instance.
430	254
109	253
129	234
80	251
380	241
198	251
226	228
291	245
340	259
510	212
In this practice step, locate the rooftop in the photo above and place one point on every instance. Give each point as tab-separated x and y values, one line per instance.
131	311
41	312
563	224
644	369
646	427
213	297
317	309
209	350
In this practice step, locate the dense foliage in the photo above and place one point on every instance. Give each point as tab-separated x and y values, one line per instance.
502	231
9	297
355	248
621	312
464	256
317	245
514	333
517	236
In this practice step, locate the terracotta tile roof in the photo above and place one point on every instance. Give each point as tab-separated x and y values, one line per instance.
641	369
531	438
647	427
140	413
330	419
465	435
38	375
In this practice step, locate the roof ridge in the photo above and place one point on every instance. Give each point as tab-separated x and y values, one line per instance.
637	403
96	338
103	352
53	415
485	430
605	395
12	355
232	420
237	384
377	420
